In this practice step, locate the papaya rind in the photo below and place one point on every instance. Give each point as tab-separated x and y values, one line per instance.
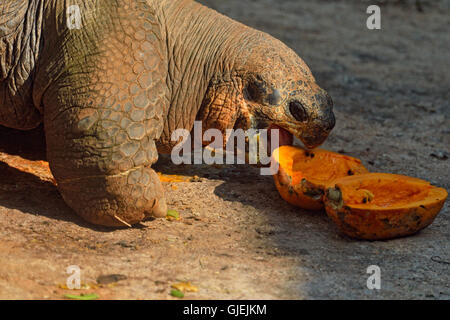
294	195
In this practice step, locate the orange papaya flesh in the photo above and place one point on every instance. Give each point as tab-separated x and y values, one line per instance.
303	174
378	206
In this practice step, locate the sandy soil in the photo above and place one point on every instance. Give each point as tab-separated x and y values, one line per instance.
237	238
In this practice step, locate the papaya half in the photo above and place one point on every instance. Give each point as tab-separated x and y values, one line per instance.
378	206
302	175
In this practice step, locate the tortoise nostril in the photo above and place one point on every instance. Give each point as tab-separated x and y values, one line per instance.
298	111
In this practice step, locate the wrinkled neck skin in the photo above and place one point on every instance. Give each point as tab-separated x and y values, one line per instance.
204	49
20	43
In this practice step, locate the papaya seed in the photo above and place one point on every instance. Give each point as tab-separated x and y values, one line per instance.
334	195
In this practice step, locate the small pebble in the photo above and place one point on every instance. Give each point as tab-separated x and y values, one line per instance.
439	155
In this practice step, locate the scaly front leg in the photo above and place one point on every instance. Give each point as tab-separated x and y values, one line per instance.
103	113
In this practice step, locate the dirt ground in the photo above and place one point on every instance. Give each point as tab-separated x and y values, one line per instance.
237	238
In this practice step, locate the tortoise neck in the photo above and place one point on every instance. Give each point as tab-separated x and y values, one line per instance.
202	46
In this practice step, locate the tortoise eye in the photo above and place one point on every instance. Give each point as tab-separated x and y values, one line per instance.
298	111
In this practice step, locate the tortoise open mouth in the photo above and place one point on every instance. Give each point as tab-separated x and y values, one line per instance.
310	142
284	137
312	139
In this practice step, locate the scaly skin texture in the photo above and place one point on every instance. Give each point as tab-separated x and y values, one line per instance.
111	93
20	39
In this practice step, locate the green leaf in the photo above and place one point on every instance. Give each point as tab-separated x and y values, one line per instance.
173	214
91	296
176	293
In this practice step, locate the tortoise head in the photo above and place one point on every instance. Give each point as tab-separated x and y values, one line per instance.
280	90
